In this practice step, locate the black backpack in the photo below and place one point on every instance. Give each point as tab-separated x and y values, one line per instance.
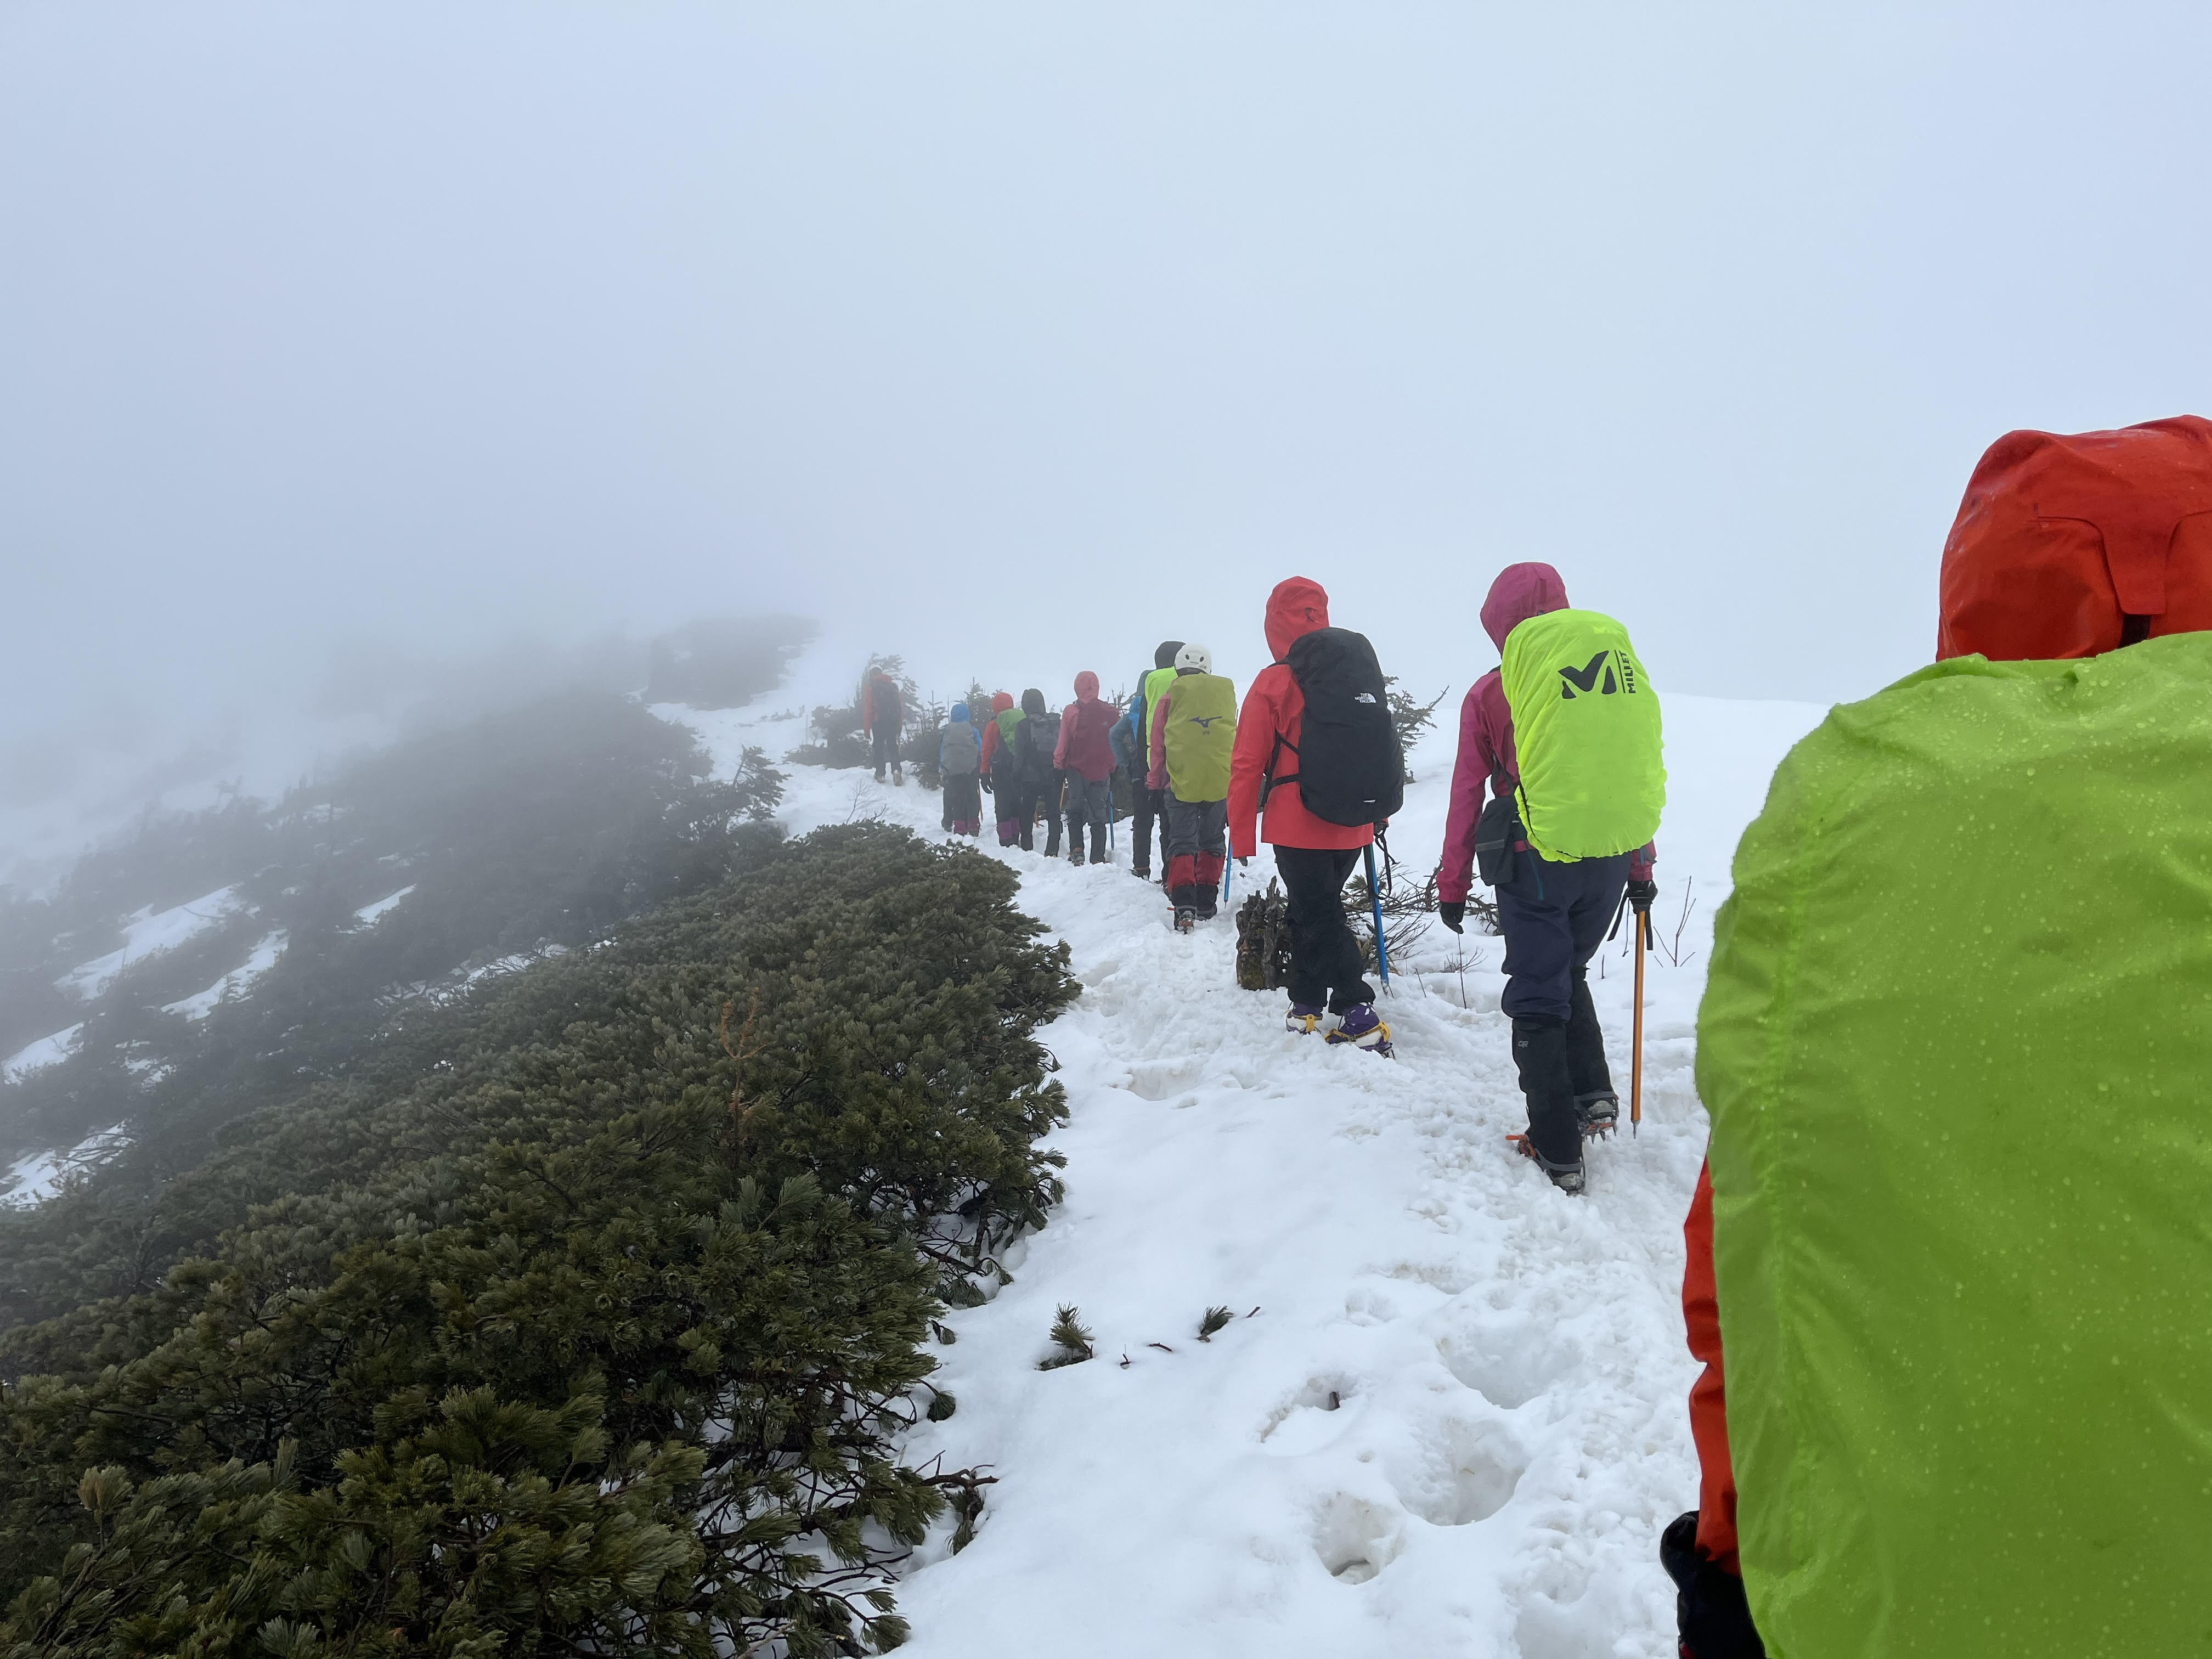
1035	739
1350	769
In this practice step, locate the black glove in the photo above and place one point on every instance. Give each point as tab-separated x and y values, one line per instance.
986	781
1640	895
1453	914
1710	1608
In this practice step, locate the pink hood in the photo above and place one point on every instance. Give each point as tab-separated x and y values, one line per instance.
1522	591
1086	686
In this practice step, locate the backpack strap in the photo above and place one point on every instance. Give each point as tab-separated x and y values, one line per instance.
1268	778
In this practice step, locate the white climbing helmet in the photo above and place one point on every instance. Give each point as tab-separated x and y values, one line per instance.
1193	659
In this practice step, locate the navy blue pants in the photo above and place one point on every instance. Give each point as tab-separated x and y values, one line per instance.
1555	916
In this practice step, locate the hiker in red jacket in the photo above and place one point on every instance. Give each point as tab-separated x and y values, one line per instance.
2064	547
1002	773
1084	755
1313	856
883	713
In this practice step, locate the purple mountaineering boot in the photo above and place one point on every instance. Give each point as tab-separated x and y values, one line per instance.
1363	1028
1305	1019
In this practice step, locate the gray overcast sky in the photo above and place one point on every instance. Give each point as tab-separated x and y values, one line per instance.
1035	332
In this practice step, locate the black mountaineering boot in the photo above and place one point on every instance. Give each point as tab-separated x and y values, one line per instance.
1554	1139
1711	1615
1597	1107
1598	1115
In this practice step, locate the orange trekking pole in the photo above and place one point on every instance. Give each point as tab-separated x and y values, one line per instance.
1636	1058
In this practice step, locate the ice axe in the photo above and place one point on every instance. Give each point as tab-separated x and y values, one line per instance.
1643	915
1636	1053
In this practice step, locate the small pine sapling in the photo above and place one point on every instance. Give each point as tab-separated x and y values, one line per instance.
925	727
1072	1339
1215	1319
967	1502
1406	913
1411	719
1263	941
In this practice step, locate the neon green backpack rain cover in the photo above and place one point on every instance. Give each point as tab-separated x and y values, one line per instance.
1201	730
1957	1046
1155	682
1586	731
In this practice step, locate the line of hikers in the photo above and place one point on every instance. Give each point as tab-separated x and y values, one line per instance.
1311	764
1172	743
1952	1228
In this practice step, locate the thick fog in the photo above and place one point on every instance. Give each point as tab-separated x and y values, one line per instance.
343	347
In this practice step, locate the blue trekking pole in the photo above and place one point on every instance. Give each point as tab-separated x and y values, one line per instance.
1381	950
1109	817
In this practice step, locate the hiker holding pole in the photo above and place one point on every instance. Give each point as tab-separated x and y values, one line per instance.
1316	771
1566	734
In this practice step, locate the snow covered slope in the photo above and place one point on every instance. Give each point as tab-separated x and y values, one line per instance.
146	931
1447	1416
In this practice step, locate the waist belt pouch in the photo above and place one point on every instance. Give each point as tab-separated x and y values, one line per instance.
1496	833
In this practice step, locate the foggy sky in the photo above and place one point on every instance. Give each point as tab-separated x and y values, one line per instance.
1026	336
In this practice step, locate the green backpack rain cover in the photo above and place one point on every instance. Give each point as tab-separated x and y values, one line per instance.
1201	730
1586	731
1957	1046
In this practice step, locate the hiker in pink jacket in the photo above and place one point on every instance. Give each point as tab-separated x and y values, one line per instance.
1550	937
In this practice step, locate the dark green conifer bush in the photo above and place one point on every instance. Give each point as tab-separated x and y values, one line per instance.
586	1324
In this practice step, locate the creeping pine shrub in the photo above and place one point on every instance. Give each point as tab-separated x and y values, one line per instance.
595	1334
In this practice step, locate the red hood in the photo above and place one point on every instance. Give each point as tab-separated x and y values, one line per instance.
1001	701
2062	536
1086	687
1296	608
1522	591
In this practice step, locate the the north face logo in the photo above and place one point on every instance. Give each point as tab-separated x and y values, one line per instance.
1585	678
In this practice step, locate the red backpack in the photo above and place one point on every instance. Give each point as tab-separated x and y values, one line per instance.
2072	545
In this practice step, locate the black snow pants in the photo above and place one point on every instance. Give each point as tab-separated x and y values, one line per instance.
1046	792
964	802
1018	796
883	748
1555	916
1326	965
1145	806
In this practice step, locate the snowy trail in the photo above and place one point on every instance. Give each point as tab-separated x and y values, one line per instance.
1455	1422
